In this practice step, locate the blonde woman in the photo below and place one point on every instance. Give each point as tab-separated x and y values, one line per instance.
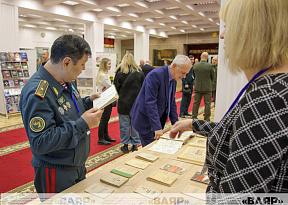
103	82
247	151
128	81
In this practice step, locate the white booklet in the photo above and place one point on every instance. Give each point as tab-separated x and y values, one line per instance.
107	97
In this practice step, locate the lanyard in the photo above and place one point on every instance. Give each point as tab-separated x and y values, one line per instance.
74	100
244	89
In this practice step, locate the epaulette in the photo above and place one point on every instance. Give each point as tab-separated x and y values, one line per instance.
42	88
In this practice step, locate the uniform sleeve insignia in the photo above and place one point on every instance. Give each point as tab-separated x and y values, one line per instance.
42	88
37	124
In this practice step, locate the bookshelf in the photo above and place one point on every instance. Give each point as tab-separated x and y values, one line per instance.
14	75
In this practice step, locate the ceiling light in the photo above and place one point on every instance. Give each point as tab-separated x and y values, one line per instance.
51	28
22	16
183	31
173	27
71	3
202	29
152	0
201	14
133	15
159	11
210	19
118	15
218	24
123	5
158	17
183	14
173	17
194	26
124	36
71	30
150	20
97	10
184	22
173	7
30	26
162	24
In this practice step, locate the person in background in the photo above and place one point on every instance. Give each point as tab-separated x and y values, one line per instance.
166	62
186	97
142	63
56	119
147	67
43	59
156	100
204	76
103	82
214	83
128	82
247	151
196	60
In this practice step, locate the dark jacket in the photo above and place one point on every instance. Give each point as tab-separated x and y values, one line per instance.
128	87
146	68
204	75
188	80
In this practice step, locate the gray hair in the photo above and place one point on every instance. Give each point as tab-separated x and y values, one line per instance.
181	60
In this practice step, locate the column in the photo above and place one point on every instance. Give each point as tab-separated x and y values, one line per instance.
141	46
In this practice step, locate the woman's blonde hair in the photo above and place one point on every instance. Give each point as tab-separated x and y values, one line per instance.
256	33
128	64
102	69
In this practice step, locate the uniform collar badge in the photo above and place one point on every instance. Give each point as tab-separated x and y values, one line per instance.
61	100
65	107
68	105
55	91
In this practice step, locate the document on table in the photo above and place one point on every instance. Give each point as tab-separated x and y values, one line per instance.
166	146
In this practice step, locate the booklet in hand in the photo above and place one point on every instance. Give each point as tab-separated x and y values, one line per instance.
107	97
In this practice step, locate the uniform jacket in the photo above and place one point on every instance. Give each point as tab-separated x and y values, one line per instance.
128	87
56	140
204	75
152	102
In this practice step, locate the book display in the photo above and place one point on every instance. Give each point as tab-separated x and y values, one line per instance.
15	73
162	178
124	171
114	180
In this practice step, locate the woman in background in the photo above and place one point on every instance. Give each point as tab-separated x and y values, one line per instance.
247	151
103	82
128	81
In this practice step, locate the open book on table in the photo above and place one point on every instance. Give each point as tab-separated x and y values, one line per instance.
107	97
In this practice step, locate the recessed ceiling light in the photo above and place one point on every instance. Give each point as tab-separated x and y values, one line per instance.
30	26
150	20
210	19
173	7
201	14
51	28
123	5
173	27
218	24
97	10
71	3
173	17
71	30
133	15
162	24
22	16
184	22
183	31
152	0
194	26
202	29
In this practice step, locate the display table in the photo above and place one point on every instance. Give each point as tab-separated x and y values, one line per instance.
183	184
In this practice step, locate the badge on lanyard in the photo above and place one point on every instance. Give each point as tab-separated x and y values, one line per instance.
75	92
61	110
68	105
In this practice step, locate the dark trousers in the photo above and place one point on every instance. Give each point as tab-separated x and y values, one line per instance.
197	100
185	102
49	181
147	138
103	125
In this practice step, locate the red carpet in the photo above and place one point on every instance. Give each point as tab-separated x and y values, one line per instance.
10	175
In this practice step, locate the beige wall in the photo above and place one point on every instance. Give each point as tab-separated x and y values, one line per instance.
172	42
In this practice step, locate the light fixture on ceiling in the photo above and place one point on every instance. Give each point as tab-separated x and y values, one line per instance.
71	30
194	26
173	17
218	24
123	5
133	15
210	19
172	7
201	14
173	27
71	3
183	31
150	20
185	22
150	1
162	24
97	10
23	16
202	29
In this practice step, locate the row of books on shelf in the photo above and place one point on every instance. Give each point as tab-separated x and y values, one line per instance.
13	56
15	65
15	74
12	91
14	83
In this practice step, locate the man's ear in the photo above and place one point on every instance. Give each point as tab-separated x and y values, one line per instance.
66	62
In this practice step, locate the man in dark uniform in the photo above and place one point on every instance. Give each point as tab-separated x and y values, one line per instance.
186	97
57	120
147	67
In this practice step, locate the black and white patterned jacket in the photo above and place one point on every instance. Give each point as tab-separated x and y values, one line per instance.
247	150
